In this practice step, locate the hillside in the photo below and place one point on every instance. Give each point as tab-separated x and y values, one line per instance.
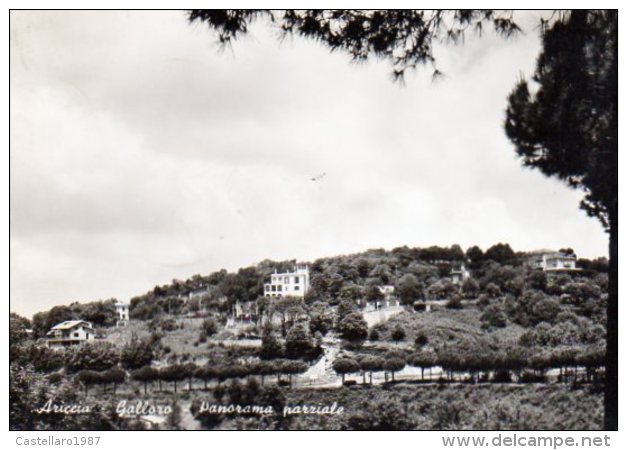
391	324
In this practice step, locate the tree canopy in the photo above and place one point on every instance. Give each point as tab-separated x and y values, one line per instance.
405	38
564	121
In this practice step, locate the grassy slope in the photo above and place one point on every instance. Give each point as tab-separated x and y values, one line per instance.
445	325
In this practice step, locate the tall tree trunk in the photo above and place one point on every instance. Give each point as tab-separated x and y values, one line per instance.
611	365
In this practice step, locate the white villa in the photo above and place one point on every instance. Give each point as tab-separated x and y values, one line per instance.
460	274
389	298
70	332
294	284
553	262
122	310
387	290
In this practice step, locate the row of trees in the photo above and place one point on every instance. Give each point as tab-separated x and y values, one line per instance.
479	362
99	356
178	373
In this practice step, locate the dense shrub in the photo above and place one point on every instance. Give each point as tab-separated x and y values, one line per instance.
493	316
298	342
398	334
353	327
373	335
137	353
97	356
209	327
271	347
421	340
454	302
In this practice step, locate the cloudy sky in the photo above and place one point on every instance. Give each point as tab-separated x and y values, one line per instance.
140	153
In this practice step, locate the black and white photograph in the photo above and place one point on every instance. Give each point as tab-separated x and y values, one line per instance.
313	220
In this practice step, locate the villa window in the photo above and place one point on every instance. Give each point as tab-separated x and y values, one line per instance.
296	288
296	280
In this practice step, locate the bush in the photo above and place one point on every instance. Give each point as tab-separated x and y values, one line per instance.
97	356
493	316
470	288
454	302
389	414
353	327
483	300
421	340
55	378
298	342
398	334
271	347
373	335
209	327
137	353
42	358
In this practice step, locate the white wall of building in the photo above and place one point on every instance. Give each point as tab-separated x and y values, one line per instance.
294	284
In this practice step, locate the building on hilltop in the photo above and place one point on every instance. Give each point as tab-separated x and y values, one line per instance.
70	333
551	261
122	310
295	284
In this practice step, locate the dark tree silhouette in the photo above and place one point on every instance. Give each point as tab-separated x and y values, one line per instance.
565	123
568	128
404	37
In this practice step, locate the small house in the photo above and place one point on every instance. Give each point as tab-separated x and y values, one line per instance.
70	333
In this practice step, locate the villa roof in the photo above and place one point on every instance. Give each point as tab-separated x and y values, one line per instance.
542	251
69	324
